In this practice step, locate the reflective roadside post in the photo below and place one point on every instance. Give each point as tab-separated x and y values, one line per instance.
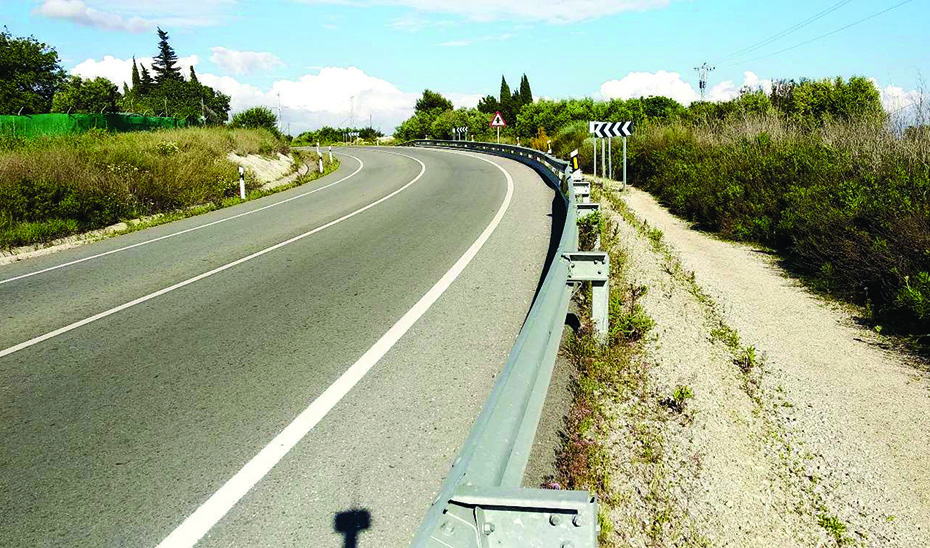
242	182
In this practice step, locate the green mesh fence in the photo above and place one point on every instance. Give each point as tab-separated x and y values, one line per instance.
64	124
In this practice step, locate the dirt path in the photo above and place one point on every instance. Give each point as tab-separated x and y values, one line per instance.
820	437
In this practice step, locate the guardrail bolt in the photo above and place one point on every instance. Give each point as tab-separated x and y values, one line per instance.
488	528
447	528
555	520
577	521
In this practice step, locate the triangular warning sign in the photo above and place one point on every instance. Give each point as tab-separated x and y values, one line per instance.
498	120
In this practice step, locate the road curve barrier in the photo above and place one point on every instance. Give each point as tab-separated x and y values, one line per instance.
482	502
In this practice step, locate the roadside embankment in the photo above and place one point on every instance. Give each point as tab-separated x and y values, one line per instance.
51	187
34	205
753	413
846	205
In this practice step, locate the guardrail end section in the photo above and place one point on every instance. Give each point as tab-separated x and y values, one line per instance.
594	267
482	517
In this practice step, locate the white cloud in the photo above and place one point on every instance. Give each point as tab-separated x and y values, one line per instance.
646	84
136	15
78	12
670	84
244	62
551	11
119	71
326	98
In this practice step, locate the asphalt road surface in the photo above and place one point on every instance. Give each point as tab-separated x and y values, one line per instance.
296	371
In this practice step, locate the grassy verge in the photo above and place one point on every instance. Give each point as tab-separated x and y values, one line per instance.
57	186
846	205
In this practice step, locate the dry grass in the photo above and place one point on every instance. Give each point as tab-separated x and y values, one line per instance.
51	187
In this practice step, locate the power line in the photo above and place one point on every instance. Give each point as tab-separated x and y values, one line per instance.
831	33
788	31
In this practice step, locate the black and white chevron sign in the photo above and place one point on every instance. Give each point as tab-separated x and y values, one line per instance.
609	129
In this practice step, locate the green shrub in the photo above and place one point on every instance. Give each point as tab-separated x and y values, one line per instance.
847	205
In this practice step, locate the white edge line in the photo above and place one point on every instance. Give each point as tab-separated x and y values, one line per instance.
222	501
150	296
192	229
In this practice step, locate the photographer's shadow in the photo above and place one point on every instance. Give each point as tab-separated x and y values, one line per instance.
350	523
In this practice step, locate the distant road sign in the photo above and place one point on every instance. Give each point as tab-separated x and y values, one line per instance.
460	130
498	120
609	129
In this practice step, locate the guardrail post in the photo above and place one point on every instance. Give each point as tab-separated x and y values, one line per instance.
594	267
582	191
585	210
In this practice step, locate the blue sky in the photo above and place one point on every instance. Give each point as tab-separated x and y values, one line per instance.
330	59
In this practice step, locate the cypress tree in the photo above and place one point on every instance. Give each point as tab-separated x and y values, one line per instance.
145	81
526	94
506	101
193	77
135	74
165	63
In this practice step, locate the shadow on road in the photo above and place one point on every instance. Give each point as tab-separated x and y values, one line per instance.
350	523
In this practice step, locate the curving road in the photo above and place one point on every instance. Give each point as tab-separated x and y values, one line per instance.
280	373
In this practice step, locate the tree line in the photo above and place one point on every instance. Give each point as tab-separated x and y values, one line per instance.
805	101
32	81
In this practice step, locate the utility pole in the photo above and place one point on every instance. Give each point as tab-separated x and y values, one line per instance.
279	110
352	112
702	77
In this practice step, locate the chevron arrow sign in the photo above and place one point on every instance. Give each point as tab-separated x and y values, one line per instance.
610	129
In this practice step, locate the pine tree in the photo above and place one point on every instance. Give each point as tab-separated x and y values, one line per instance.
193	79
526	94
135	74
164	65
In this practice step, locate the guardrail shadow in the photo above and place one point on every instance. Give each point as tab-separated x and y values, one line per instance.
350	524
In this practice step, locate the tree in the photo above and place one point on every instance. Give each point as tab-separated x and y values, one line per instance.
254	118
164	65
489	104
506	102
526	94
29	75
193	76
432	101
136	80
145	81
87	96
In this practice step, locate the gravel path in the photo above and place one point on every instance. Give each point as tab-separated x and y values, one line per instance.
826	441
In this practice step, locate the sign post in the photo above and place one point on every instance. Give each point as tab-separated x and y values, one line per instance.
498	122
608	130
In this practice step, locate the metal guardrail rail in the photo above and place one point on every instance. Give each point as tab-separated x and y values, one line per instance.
481	502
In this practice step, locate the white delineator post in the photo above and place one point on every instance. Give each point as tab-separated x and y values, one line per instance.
319	156
330	153
242	182
548	147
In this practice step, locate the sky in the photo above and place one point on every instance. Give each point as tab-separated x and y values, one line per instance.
334	61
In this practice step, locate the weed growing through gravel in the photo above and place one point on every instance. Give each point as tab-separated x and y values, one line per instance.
751	369
608	376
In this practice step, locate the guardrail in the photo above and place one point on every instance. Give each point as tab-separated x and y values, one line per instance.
481	502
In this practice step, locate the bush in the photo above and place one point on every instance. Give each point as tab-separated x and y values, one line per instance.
255	118
847	204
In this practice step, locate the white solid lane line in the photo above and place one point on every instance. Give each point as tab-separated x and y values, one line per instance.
220	503
172	235
150	296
